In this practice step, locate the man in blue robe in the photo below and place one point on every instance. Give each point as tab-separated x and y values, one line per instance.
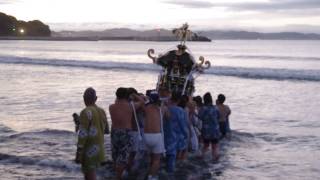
175	130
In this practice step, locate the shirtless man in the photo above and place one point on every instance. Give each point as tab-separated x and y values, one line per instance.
136	137
224	112
154	115
121	116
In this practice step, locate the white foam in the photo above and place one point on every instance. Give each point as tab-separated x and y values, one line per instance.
256	73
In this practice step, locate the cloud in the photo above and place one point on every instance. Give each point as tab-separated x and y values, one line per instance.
190	3
271	5
276	5
8	1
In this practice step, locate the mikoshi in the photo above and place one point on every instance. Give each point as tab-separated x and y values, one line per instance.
179	68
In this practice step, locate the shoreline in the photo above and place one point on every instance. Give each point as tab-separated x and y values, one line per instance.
128	38
131	38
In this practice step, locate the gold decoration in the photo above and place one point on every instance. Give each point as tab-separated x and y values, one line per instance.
150	52
208	65
183	33
201	59
199	66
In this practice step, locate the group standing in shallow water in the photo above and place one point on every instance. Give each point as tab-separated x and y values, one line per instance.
160	123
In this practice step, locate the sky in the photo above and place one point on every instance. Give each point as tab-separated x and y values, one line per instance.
251	15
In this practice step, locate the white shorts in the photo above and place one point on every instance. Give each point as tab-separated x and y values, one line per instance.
154	143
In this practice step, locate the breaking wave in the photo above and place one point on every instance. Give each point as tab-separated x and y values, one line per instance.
270	57
243	72
27	160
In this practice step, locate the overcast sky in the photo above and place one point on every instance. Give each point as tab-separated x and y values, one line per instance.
253	15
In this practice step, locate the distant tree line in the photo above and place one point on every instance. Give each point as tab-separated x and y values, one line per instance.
10	26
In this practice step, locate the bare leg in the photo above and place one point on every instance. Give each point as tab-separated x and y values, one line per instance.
90	175
184	154
155	164
179	154
215	151
131	160
204	149
119	171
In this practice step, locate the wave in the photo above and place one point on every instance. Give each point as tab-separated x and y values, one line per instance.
267	73
65	165
46	132
256	139
78	63
5	129
269	57
243	72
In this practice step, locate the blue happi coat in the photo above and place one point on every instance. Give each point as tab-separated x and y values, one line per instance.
209	116
175	129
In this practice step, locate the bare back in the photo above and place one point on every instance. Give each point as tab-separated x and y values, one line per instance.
224	111
121	115
152	121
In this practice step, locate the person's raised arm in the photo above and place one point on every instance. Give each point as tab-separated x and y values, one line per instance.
140	101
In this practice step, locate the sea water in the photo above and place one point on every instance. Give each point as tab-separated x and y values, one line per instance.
272	88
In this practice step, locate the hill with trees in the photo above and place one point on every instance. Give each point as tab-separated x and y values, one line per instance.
166	35
10	26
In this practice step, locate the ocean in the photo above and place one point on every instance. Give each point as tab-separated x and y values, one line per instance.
272	87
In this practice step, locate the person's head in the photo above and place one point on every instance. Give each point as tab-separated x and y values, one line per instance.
89	96
164	92
183	101
131	91
153	96
198	100
148	92
175	97
207	99
122	93
221	98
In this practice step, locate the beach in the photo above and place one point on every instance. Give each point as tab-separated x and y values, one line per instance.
272	88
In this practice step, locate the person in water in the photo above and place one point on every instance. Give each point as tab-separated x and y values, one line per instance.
183	142
174	130
165	95
209	115
121	113
90	146
197	121
193	122
153	133
134	133
224	112
140	153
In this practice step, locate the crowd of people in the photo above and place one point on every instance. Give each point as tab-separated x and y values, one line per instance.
162	125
